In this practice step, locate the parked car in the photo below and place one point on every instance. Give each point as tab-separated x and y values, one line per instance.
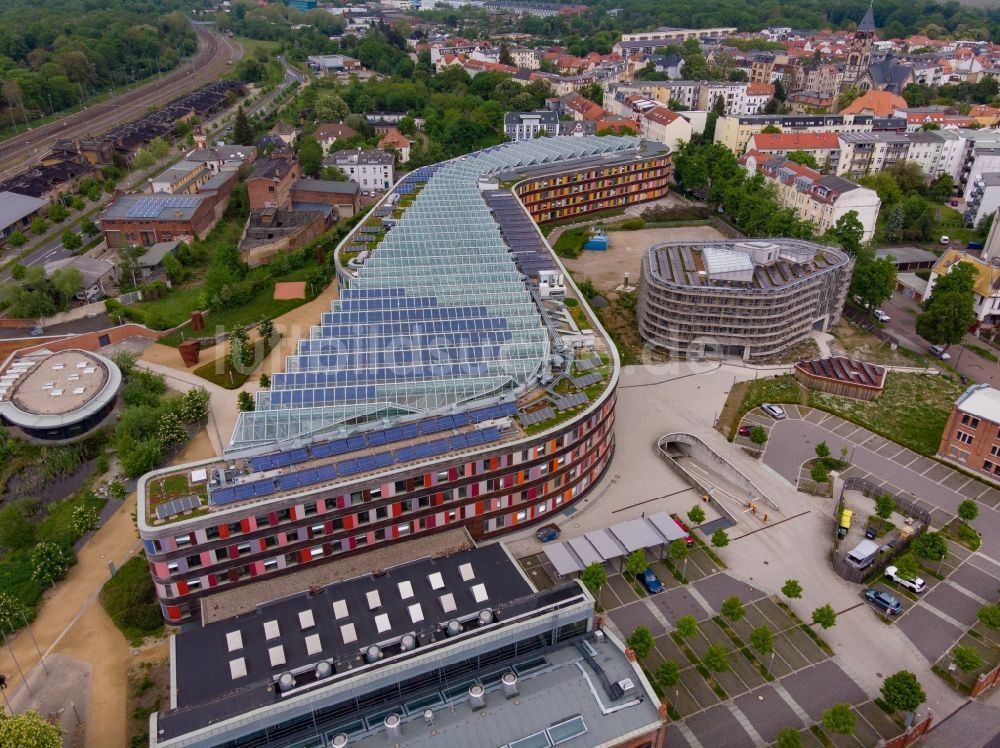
940	352
945	240
650	582
917	584
548	533
774	411
744	430
883	601
954	202
688	540
881	316
974	245
870	533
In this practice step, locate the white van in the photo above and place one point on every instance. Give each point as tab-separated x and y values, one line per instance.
863	555
940	352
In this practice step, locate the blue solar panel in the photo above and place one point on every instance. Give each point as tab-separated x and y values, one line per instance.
347	467
409	430
299	455
323	450
223	495
355	442
288	481
244	492
491	434
460	441
383	459
327	472
376	438
263	487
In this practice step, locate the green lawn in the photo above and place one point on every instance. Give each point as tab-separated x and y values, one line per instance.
912	411
176	306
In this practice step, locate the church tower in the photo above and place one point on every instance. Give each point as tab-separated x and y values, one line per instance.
860	56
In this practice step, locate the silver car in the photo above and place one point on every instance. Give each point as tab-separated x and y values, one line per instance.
917	584
772	410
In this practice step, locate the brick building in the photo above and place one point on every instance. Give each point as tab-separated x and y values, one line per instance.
270	183
345	197
971	437
144	220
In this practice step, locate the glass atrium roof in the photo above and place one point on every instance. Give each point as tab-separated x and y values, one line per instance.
438	319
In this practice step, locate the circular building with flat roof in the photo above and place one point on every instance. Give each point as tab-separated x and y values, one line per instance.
58	396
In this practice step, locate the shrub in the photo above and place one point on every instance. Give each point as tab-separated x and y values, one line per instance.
16	528
732	608
989	615
789	737
885	505
839	719
967	658
792	589
819	473
902	691
48	563
758	435
968	510
130	600
632	224
931	546
84	519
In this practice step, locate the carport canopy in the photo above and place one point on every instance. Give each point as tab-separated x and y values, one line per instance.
601	546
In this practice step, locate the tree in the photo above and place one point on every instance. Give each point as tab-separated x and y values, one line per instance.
848	232
331	108
885	505
29	730
803	157
967	658
244	401
762	639
968	510
594	578
57	213
732	608
989	615
635	562
265	329
506	58
310	156
771	130
716	658
931	546
170	430
125	361
333	174
874	279
38	225
668	674
696	515
720	539
825	616
143	160
67	282
48	562
240	351
789	737
949	313
678	550
17	239
159	149
822	450
641	642
687	627
242	129
907	567
839	719
902	691
141	457
265	381
758	435
12	612
84	519
16	528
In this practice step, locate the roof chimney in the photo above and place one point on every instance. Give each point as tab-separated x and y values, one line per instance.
393	728
477	696
509	684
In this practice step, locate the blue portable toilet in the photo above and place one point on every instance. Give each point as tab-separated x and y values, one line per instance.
598	240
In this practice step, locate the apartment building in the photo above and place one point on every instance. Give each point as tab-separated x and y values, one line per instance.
746	299
982	159
604	184
373	169
864	153
528	125
982	198
664	126
648	41
359	444
815	197
735	131
971	437
740	98
823	146
270	183
986	290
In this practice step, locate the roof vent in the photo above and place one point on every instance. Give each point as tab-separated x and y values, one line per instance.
339	740
485	617
286	682
477	696
428	717
373	654
454	628
323	669
393	728
509	684
408	642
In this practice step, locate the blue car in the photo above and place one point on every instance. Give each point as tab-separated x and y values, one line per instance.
883	601
548	533
650	582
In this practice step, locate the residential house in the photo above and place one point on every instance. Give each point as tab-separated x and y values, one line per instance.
270	183
223	157
288	134
398	142
823	146
527	125
329	133
664	126
98	276
372	169
877	103
815	197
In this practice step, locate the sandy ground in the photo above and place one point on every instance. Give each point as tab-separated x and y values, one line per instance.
624	254
71	621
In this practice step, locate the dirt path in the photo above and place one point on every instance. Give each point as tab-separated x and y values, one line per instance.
71	620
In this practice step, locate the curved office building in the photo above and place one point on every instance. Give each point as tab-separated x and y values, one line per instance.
425	400
751	299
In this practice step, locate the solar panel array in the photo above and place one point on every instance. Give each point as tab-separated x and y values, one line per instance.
530	419
585	364
526	245
586	380
571	401
177	506
151	207
438	316
351	466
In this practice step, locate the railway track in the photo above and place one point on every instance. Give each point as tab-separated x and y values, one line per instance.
209	63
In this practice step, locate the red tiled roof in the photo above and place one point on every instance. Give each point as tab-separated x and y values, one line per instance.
661	115
795	141
760	89
880	103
